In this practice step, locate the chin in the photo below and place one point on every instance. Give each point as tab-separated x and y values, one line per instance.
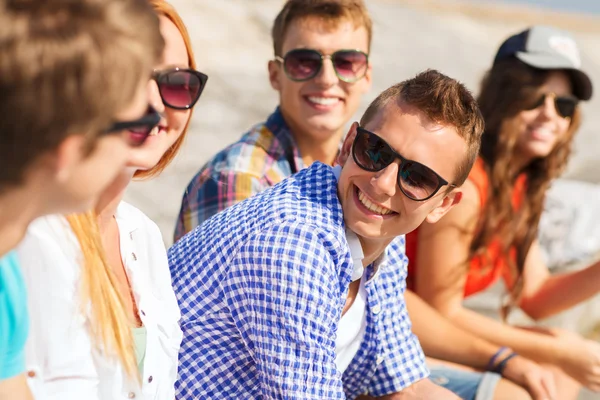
539	151
367	231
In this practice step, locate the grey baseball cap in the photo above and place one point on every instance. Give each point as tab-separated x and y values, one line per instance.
544	47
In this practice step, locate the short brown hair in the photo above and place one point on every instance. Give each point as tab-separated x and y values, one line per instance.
443	100
68	67
330	12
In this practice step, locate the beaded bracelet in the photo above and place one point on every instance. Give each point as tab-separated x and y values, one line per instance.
492	363
502	364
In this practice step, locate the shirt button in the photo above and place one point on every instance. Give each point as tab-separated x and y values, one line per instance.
379	359
150	379
131	395
134	256
31	374
376	309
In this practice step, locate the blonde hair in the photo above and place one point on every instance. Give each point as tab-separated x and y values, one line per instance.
109	322
162	8
67	67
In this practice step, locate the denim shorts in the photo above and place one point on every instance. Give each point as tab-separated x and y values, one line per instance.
467	385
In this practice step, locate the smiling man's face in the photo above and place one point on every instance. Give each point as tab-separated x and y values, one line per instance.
374	206
320	107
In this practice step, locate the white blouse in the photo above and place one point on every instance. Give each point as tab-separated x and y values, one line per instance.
61	359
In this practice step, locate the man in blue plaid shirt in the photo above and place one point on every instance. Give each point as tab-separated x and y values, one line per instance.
297	292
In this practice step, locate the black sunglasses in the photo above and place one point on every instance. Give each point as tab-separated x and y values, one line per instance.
417	181
304	64
137	131
180	88
565	105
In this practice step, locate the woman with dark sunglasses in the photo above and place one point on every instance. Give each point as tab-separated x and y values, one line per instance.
106	321
529	100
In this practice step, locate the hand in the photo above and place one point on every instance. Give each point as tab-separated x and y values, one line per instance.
538	381
580	359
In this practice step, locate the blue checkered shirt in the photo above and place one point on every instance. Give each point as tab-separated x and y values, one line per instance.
262	286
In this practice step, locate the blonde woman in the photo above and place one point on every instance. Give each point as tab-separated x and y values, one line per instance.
105	320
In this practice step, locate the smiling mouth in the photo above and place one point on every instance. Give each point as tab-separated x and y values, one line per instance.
323	101
156	130
369	205
542	133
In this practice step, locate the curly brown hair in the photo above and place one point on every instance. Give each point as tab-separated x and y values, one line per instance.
507	89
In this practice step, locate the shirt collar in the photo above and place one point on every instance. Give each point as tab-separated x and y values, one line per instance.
277	125
356	251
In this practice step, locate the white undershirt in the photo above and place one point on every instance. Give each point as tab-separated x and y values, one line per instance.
351	329
353	324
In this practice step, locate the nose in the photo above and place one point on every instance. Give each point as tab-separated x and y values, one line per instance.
385	181
154	97
327	76
549	109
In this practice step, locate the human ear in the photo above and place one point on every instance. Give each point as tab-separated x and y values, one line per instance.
275	71
68	156
450	200
347	145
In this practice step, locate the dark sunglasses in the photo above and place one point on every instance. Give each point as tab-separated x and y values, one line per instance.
304	64
417	181
180	88
137	131
565	105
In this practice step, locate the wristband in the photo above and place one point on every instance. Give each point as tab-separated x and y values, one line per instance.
492	363
502	364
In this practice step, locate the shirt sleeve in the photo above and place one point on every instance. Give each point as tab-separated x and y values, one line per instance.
283	293
403	362
210	193
13	318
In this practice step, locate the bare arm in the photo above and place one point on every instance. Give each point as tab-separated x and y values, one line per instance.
15	388
539	299
442	273
462	347
459	346
440	279
423	390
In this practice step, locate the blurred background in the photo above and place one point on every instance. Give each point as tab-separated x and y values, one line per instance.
232	42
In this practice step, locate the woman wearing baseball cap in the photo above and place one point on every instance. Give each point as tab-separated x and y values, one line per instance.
530	101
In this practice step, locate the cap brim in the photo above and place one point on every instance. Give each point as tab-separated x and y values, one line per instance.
582	85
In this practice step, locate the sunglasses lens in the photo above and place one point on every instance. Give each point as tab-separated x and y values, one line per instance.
370	152
565	106
302	64
179	89
417	181
535	104
350	65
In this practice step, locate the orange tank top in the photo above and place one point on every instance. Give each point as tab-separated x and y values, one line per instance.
486	269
